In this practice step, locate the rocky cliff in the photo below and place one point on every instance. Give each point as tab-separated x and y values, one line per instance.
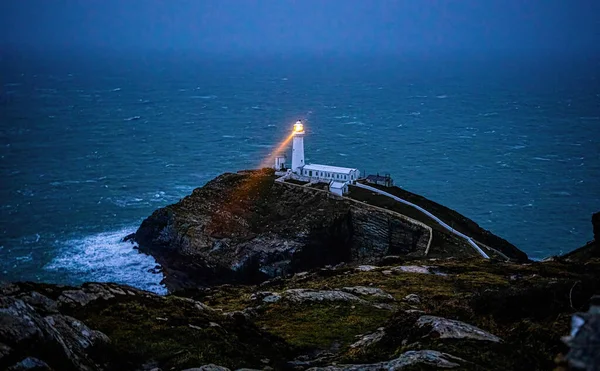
245	227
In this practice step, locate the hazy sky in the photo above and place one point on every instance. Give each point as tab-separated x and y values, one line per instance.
371	26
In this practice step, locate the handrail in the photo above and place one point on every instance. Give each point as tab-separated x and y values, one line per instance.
438	220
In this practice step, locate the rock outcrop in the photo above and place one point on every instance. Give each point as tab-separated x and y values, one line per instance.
116	327
245	227
591	249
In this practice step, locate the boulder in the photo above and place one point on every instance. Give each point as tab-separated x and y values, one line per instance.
412	269
40	302
418	358
584	340
75	338
19	323
374	292
300	296
412	299
451	329
366	268
30	364
369	339
209	367
25	331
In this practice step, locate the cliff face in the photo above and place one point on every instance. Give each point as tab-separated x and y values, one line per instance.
246	227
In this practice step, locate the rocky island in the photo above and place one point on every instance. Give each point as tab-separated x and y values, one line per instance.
277	275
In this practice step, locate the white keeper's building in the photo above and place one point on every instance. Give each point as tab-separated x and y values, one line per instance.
337	177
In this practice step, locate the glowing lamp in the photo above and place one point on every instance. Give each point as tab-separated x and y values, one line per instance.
298	127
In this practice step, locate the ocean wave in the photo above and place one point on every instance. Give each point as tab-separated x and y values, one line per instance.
443	96
132	118
203	96
125	201
103	257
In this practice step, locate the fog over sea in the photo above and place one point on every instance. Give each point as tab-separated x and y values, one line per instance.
91	144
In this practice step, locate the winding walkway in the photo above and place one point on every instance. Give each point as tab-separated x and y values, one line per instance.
438	220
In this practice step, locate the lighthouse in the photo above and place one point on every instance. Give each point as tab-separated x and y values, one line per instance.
298	147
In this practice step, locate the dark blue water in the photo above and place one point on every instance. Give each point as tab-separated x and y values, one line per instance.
91	144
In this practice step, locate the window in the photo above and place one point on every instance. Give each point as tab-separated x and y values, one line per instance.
310	173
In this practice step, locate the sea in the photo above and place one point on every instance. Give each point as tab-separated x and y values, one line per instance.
93	142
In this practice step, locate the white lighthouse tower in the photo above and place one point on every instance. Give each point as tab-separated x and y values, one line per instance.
298	147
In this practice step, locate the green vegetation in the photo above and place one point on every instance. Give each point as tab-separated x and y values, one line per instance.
176	333
329	326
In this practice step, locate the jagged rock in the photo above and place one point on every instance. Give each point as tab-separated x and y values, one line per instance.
8	288
75	338
300	296
412	269
265	296
451	329
369	291
411	358
19	323
22	328
369	339
4	350
30	364
412	299
414	311
584	340
209	367
366	268
40	302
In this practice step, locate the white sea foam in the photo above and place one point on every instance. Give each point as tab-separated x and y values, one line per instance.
132	118
443	96
103	257
116	89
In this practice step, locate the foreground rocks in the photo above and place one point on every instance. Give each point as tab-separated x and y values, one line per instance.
474	315
116	327
247	228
